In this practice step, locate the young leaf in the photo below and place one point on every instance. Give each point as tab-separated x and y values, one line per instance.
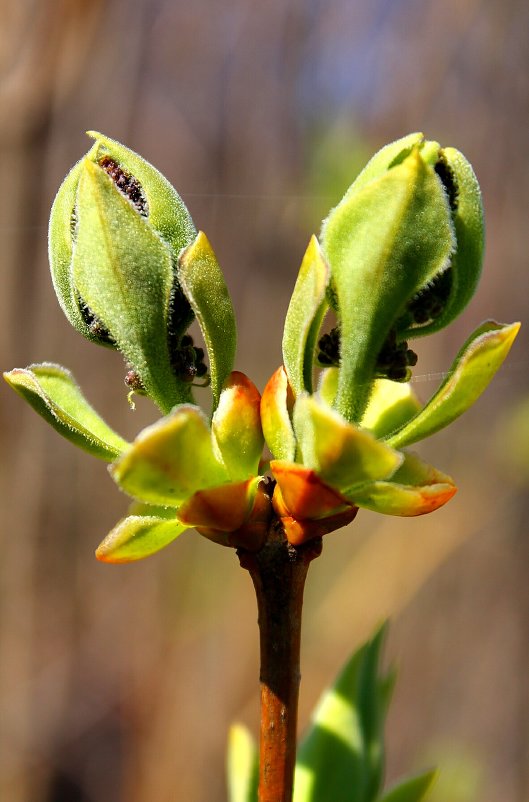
276	407
415	489
473	369
304	316
123	271
170	460
52	391
392	404
137	537
242	765
413	789
201	278
236	427
340	759
341	453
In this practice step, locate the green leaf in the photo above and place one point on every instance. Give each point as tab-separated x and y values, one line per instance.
415	489
242	765
383	243
52	391
391	405
303	320
413	789
124	272
341	757
137	537
341	454
170	460
201	278
60	250
473	369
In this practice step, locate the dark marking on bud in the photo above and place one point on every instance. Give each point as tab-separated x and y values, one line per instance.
134	382
430	302
395	359
98	332
187	361
329	348
126	183
73	223
448	180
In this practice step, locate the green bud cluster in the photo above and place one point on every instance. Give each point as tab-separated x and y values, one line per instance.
117	229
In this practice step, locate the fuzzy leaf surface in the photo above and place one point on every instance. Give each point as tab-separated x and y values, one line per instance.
170	460
201	278
53	392
383	243
124	272
303	319
342	454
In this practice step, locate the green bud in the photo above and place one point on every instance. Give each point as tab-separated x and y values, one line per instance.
117	228
404	247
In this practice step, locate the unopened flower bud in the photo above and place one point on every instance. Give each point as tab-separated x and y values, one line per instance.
117	228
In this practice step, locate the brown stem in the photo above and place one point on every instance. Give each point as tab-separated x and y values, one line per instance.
278	573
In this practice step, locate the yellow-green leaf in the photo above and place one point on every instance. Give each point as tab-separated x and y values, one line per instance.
342	454
201	278
415	489
137	537
170	460
53	392
470	374
304	316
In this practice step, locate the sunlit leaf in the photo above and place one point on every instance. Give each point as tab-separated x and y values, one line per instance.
304	317
391	405
340	759
170	460
276	406
471	373
236	427
201	278
137	537
123	271
53	393
415	489
341	453
382	243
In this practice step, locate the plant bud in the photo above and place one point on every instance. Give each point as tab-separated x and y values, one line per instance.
117	228
404	248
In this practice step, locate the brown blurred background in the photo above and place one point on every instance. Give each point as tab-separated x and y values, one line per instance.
119	683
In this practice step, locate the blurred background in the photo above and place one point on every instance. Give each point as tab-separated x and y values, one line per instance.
119	683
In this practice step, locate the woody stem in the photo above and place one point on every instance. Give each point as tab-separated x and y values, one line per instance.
278	573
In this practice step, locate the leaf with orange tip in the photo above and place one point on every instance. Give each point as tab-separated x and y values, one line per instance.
225	507
236	427
415	489
304	494
276	406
